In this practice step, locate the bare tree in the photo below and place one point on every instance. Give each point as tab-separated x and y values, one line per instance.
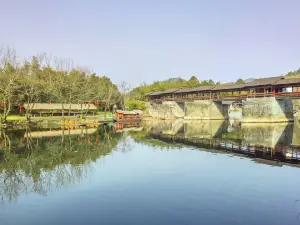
124	89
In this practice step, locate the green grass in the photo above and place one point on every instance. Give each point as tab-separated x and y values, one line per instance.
15	117
108	114
22	118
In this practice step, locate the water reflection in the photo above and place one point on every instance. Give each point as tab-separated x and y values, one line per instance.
278	142
132	183
42	161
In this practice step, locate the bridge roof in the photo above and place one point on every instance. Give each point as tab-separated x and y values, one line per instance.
195	89
228	87
264	81
288	81
169	91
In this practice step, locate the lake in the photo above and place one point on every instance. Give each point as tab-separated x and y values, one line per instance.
159	172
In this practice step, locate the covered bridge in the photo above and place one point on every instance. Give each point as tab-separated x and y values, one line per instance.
263	87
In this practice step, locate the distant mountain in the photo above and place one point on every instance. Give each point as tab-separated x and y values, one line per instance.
174	80
249	80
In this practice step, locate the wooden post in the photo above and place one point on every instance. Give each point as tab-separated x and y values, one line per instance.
264	92
285	92
254	92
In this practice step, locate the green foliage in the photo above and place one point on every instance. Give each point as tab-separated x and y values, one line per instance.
41	80
240	81
193	82
132	104
139	92
293	74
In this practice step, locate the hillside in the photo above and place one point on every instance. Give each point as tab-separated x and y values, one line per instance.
293	74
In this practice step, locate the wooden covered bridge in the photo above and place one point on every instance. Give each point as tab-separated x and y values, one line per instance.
278	87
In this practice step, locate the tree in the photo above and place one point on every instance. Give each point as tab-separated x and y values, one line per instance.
43	79
9	74
193	82
124	89
31	86
240	81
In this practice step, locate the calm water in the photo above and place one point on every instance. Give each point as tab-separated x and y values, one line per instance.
162	173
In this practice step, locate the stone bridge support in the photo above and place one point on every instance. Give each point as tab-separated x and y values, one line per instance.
165	110
205	110
266	110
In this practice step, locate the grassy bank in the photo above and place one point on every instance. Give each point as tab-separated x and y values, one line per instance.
99	116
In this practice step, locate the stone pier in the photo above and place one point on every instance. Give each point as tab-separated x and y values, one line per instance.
166	110
195	110
267	110
205	110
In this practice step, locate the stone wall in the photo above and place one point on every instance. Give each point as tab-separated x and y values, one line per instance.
265	110
254	110
164	110
205	110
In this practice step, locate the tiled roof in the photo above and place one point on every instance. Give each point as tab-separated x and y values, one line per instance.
264	81
195	89
169	91
228	87
288	81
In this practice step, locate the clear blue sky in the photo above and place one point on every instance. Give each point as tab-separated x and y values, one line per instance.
138	41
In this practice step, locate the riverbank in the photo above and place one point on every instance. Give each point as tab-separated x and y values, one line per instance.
57	121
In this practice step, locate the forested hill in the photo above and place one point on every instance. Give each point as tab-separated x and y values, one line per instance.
293	74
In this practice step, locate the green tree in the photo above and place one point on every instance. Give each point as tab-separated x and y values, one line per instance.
240	81
193	82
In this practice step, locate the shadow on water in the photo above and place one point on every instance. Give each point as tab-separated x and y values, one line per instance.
274	144
44	160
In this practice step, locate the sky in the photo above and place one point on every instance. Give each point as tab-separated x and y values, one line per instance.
145	41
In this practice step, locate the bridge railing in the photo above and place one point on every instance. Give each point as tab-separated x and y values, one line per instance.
288	94
230	97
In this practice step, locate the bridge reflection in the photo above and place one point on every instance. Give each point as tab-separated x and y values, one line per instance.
280	142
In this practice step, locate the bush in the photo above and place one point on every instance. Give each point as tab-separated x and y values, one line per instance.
135	104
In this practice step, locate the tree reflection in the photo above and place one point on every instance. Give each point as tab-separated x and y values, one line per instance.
41	164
